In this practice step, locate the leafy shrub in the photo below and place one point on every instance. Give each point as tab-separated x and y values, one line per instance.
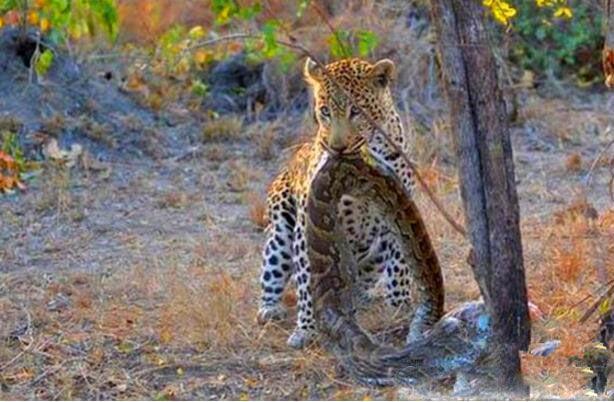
344	44
63	19
12	163
558	38
59	20
552	37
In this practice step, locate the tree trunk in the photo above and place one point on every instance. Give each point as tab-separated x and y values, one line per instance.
480	127
608	46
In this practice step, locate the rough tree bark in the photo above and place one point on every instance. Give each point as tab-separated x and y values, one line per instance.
480	127
608	46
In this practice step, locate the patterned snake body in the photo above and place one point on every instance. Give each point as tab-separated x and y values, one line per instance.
441	345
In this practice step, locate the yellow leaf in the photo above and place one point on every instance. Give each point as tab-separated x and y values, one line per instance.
604	307
544	3
183	66
563	12
33	18
501	10
197	32
76	31
244	396
44	25
202	56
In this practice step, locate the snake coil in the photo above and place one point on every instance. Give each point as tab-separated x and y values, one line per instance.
443	345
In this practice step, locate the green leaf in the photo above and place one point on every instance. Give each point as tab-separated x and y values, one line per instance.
248	13
224	10
287	60
302	6
43	63
106	10
7	5
199	88
339	44
269	36
12	147
367	42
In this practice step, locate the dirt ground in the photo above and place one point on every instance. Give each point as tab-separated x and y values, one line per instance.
134	273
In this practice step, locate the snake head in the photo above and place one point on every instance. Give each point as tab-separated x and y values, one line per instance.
348	95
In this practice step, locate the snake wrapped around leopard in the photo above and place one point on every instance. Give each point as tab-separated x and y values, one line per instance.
457	344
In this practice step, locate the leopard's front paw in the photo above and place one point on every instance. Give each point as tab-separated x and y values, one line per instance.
301	338
271	313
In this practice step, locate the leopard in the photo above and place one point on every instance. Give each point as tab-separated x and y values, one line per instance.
348	95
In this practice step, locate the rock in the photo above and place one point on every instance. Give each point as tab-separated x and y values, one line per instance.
235	85
69	104
238	85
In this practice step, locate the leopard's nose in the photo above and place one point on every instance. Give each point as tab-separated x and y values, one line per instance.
339	136
337	146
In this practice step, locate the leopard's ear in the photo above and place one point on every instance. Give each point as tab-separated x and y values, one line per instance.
383	72
312	71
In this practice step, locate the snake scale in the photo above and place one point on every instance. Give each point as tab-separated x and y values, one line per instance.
441	345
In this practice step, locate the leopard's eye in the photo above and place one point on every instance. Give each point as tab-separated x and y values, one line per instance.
325	111
354	111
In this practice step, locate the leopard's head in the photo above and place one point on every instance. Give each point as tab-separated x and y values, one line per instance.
346	90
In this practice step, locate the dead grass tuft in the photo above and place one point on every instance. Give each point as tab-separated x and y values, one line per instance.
55	188
266	145
54	125
573	163
98	132
257	210
206	310
577	209
223	128
215	153
173	199
239	177
10	124
563	285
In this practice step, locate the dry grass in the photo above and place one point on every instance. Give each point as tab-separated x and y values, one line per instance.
10	124
266	145
179	322
171	329
239	176
573	163
257	210
222	128
577	256
173	199
55	193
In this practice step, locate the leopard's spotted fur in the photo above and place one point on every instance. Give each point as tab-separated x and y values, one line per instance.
372	242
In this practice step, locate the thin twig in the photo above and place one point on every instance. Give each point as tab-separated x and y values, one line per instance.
17	357
588	177
596	305
227	38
